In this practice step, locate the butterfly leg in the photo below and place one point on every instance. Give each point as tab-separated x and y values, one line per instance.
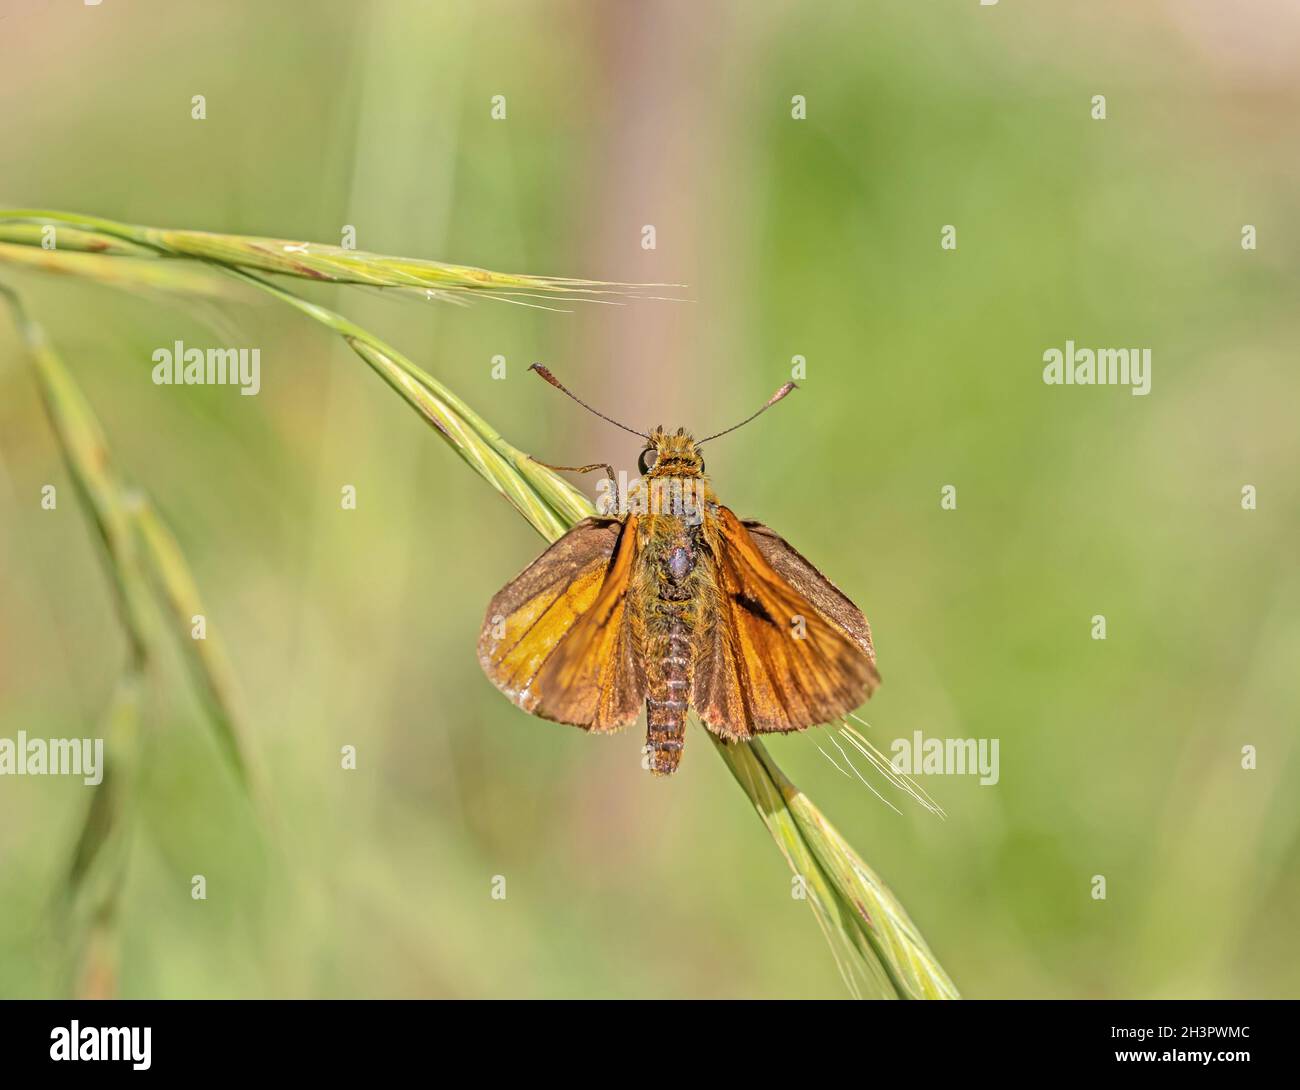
609	472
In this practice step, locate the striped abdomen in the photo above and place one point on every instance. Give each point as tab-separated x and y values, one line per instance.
666	703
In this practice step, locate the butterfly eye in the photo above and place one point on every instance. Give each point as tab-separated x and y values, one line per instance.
701	465
647	460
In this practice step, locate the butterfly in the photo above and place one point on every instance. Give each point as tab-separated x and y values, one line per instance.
676	604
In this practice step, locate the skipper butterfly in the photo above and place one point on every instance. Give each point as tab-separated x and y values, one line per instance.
677	605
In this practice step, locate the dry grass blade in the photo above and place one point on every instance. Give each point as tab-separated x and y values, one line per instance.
209	668
307	260
97	871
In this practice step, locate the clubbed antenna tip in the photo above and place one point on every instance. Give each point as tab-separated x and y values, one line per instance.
766	405
546	374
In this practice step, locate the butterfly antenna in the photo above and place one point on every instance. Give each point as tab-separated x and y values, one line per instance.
546	374
769	403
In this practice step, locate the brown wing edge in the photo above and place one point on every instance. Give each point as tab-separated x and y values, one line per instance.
803	575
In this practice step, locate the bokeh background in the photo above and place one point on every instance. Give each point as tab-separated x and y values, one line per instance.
817	238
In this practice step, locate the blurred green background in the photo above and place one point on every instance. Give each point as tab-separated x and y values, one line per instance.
817	238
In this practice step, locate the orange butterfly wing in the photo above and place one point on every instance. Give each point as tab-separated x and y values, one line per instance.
557	638
780	649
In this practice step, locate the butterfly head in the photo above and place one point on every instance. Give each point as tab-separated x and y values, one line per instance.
671	454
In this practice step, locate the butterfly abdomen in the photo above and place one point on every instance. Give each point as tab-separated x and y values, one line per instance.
666	703
671	625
